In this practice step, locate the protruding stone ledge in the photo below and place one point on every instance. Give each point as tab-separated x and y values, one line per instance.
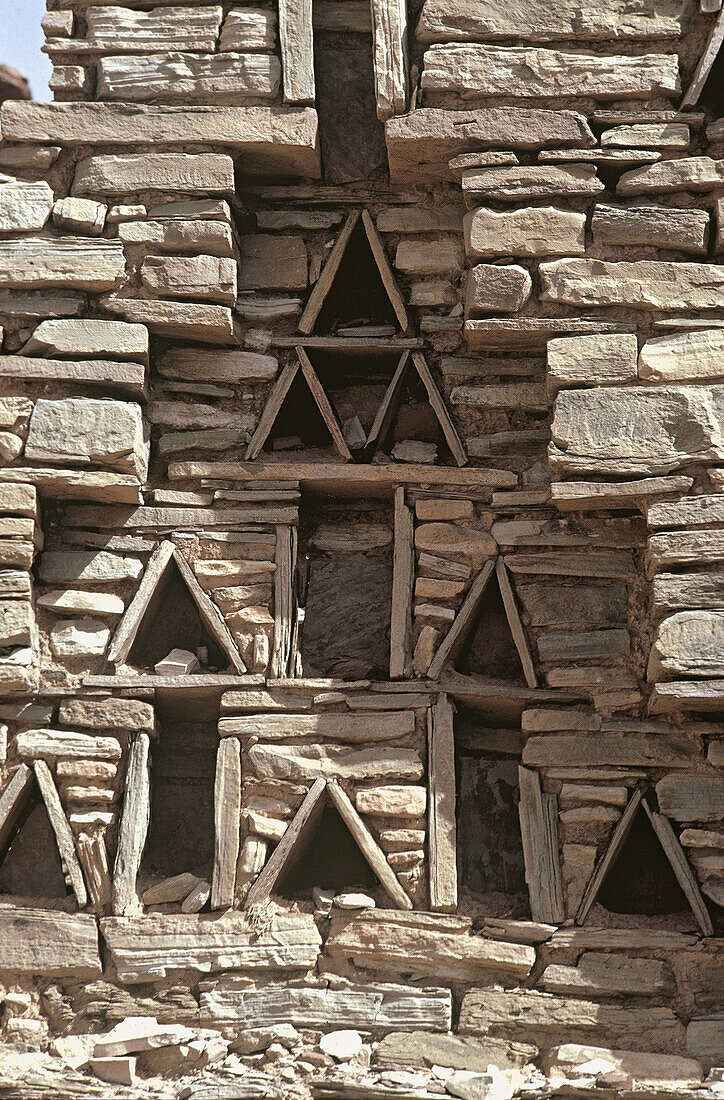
274	140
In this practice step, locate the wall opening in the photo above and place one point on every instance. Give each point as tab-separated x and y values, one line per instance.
352	137
345	587
31	866
489	649
491	869
328	857
641	879
357	295
299	424
356	384
183	768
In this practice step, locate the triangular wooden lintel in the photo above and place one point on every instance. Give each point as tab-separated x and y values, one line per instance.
211	617
299	829
277	397
465	618
391	402
326	280
671	845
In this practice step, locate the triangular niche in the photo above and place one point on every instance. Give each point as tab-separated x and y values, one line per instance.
644	869
356	289
171	611
487	636
30	860
298	415
326	839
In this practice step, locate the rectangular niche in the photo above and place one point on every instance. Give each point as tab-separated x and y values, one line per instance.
345	587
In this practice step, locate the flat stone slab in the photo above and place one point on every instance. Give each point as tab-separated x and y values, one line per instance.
69	262
24	207
190	78
57	945
422	1048
533	231
639	284
122	173
84	429
87	338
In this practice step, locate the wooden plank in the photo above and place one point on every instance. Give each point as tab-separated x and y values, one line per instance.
435	398
323	284
516	626
463	620
616	843
13	801
285	558
403	582
126	632
271	409
389	29
210	614
386	273
300	826
61	828
323	404
388	407
227	811
706	62
539	830
133	828
93	858
297	48
679	864
368	845
442	831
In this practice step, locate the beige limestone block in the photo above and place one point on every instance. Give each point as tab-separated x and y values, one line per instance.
24	206
84	429
496	288
691	174
683	357
68	262
639	284
533	231
77	337
600	360
118	174
207	277
80	215
190	78
119	30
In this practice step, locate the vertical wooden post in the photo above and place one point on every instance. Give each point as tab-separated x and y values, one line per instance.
227	809
134	826
285	558
403	580
442	831
297	46
389	28
539	828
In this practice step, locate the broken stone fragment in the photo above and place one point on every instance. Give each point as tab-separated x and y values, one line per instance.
198	897
395	801
11	447
24	207
341	1045
89	430
80	216
79	638
493	288
140	1033
86	337
179	662
248	29
415	450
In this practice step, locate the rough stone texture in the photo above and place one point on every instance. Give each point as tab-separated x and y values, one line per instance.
24	207
683	357
272	263
537	231
194	320
641	284
37	262
84	429
90	567
176	235
118	30
591	360
689	643
205	277
496	289
248	29
692	174
529	182
119	174
190	78
80	216
79	638
86	337
659	226
692	797
494	70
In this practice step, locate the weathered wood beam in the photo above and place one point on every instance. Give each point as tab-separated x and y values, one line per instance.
134	826
403	583
516	626
706	63
455	636
539	829
227	813
93	858
439	407
298	829
271	409
386	273
127	629
13	801
323	284
61	828
211	617
607	860
368	846
297	47
679	864
389	30
285	559
388	407
442	830
323	404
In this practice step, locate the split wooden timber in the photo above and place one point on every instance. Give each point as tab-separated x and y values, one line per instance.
93	859
13	801
462	623
607	860
706	63
403	582
285	558
134	826
389	29
297	49
539	829
61	828
227	814
516	626
163	558
442	831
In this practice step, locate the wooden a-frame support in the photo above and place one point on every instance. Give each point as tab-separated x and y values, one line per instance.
163	558
325	281
299	829
463	622
643	798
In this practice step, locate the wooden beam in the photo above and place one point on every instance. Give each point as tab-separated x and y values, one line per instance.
388	407
607	860
368	845
210	615
442	831
299	828
323	404
125	634
93	858
539	829
403	582
516	626
386	273
133	828
13	801
455	636
227	815
61	828
271	409
389	29
285	559
714	44
323	284
679	864
297	48
435	398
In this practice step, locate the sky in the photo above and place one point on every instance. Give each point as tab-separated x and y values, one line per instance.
20	40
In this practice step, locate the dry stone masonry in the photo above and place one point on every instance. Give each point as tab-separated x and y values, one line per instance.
362	552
